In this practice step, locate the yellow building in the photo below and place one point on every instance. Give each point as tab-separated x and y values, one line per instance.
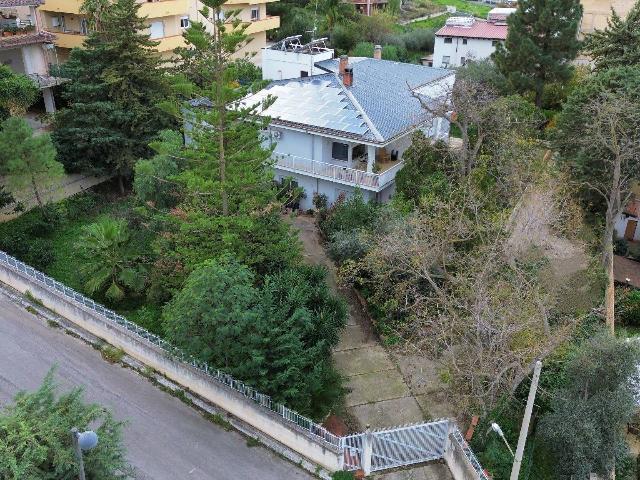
166	20
596	12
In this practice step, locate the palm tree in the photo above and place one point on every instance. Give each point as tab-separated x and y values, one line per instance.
109	268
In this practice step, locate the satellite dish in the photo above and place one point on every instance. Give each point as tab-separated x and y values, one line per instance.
87	440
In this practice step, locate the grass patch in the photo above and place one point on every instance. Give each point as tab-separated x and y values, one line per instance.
342	475
435	23
476	9
218	420
253	442
112	354
33	299
30	309
53	324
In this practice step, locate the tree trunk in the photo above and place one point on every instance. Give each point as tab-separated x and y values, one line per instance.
35	190
539	91
121	184
610	294
222	111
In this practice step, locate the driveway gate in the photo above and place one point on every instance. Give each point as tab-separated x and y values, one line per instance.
397	447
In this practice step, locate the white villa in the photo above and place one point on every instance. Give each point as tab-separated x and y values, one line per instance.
469	38
341	124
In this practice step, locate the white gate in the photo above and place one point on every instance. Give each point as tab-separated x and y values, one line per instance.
396	447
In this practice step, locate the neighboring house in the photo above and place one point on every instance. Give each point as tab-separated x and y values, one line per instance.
627	224
348	124
369	7
167	19
595	13
469	38
25	47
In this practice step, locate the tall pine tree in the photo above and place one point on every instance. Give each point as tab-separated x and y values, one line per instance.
618	45
541	42
116	89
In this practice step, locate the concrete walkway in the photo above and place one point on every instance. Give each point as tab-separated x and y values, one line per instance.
378	395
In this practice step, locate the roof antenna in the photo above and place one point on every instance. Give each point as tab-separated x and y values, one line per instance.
315	23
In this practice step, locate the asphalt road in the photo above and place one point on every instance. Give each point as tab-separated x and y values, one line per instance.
165	438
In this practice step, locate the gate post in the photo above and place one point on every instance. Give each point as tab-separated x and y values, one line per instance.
367	451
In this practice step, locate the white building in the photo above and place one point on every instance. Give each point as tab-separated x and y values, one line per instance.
468	38
25	48
627	224
348	123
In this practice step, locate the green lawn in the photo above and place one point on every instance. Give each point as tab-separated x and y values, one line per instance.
479	10
59	240
435	23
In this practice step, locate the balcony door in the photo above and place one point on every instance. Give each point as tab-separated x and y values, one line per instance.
84	26
156	30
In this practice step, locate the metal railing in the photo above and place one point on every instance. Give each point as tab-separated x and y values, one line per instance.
260	398
466	449
361	178
390	448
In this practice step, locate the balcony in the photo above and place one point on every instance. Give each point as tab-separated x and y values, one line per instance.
68	39
348	176
164	8
167	44
263	25
154	9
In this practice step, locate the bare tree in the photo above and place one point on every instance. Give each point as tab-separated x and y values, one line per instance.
612	138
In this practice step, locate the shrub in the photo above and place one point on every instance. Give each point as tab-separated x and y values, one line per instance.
348	245
419	40
347	215
628	308
363	49
344	37
320	201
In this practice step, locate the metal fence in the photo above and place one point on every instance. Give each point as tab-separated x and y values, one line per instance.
457	437
397	447
221	377
389	448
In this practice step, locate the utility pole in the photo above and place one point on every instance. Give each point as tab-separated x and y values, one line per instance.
78	450
517	462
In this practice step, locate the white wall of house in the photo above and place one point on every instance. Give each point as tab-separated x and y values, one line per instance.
34	60
621	224
458	51
280	65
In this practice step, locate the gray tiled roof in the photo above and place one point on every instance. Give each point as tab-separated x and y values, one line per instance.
382	89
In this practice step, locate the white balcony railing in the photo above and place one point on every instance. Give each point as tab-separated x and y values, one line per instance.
351	176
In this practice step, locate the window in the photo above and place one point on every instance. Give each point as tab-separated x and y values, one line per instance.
448	40
304	73
464	41
84	26
184	22
255	14
340	151
445	60
463	61
219	16
156	30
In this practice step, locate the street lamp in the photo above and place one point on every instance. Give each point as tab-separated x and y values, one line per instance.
496	428
83	441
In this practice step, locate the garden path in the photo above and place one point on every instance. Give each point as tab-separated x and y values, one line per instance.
378	394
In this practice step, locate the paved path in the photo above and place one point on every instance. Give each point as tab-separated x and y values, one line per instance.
165	438
378	393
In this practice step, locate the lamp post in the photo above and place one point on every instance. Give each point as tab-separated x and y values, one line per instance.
496	428
82	441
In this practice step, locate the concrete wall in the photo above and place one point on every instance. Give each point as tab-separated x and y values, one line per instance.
457	461
475	48
596	12
248	411
621	226
279	65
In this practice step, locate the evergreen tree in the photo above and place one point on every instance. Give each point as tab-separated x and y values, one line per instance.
541	41
35	442
618	45
115	95
29	160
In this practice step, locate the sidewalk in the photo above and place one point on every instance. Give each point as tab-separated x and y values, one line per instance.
378	394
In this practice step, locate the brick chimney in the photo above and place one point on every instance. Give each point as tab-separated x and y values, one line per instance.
377	52
344	61
347	76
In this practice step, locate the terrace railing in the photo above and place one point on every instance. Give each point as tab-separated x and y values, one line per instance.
352	176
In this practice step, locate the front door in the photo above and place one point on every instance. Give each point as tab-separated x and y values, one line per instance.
630	230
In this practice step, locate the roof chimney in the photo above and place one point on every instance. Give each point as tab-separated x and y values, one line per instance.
377	52
344	61
347	76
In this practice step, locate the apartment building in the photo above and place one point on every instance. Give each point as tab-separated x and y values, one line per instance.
596	12
25	48
166	20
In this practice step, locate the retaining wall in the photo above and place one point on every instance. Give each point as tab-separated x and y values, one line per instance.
289	434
